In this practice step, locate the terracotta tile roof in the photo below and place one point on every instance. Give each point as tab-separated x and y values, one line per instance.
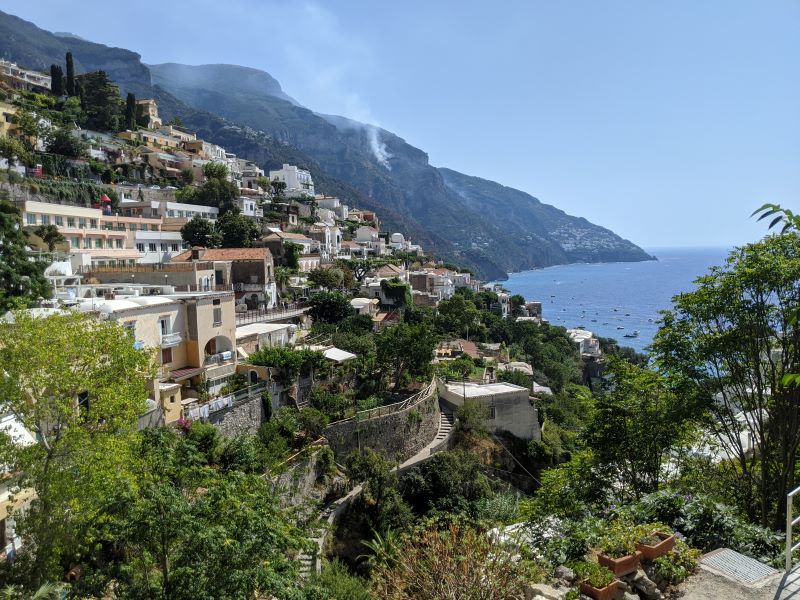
228	254
469	348
289	236
390	270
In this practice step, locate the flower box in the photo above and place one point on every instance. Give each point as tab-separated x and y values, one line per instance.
652	552
606	593
620	566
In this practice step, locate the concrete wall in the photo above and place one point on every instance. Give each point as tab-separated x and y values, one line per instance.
398	435
243	417
513	412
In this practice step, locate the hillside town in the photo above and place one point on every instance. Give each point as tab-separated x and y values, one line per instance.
220	382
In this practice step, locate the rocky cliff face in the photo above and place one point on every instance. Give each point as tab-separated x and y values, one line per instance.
482	224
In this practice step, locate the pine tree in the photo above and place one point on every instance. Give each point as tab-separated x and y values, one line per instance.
22	280
70	75
130	112
57	80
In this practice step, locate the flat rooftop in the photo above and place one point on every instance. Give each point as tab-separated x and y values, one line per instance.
477	390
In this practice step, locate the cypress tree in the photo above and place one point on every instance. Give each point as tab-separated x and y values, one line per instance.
130	112
70	75
56	80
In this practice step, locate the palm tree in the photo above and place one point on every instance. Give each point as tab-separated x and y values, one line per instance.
47	591
282	277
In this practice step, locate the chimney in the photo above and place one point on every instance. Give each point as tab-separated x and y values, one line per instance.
108	295
197	252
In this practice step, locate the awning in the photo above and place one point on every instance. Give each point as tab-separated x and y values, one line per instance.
185	373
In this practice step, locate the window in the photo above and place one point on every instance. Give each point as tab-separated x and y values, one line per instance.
121	226
70	221
153	227
59	220
172	399
98	243
45	219
152	248
81	223
164	247
491	412
119	244
87	243
166	356
217	316
31	218
174	247
140	247
170	213
93	223
76	242
132	227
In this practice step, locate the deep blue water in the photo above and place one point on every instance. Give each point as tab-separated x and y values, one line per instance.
612	299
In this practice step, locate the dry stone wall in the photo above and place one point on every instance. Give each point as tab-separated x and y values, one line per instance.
245	416
398	435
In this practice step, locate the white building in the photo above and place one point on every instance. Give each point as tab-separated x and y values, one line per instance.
508	406
249	207
159	246
298	181
585	340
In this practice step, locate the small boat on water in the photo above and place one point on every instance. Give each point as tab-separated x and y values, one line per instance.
634	334
620	327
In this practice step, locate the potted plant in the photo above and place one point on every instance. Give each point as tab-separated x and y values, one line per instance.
617	549
596	581
654	540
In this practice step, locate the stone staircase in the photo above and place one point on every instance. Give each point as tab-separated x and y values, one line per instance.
446	422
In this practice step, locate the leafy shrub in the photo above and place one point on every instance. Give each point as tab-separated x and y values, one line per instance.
336	583
707	524
593	574
618	539
500	509
241	454
678	564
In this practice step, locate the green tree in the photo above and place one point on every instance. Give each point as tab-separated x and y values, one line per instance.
237	230
457	316
56	80
78	384
215	170
278	189
130	112
187	176
71	90
291	255
326	277
201	232
101	103
22	280
329	307
405	350
50	236
282	277
13	150
205	533
635	424
61	141
731	343
29	128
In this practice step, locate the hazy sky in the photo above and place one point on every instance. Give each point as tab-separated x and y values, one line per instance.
668	122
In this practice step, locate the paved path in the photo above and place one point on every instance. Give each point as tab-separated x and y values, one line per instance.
446	422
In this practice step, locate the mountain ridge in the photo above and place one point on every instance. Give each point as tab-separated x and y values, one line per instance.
461	218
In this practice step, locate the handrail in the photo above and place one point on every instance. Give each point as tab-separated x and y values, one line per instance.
791	521
388	409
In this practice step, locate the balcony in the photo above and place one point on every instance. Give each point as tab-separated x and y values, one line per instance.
170	339
218	359
249	287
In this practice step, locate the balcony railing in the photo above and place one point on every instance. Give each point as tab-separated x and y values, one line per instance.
171	339
217	359
249	287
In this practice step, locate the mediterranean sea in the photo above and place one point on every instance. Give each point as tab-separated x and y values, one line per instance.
615	299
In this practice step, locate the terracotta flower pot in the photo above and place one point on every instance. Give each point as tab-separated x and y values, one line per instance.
606	593
666	544
620	566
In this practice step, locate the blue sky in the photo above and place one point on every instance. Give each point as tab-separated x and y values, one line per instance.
668	122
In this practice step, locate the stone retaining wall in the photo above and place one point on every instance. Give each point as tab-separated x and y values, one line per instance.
245	416
398	435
